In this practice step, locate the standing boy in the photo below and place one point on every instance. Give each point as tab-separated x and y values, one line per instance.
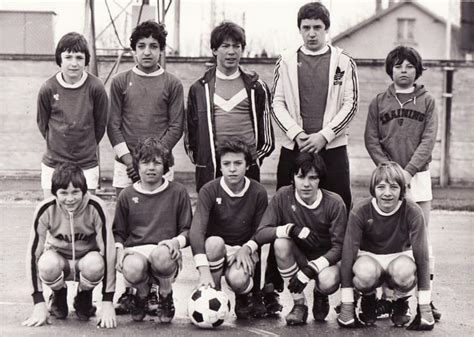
306	226
152	219
401	126
315	97
71	239
228	212
145	101
386	242
227	102
72	113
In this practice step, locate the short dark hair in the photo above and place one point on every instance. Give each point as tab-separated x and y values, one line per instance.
234	145
74	43
314	10
389	171
400	54
147	29
227	30
65	174
305	161
148	149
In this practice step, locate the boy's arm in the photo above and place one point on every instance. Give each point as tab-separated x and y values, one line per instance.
423	152
267	229
101	103
349	252
419	243
266	136
119	227
372	135
262	203
43	111
185	218
191	126
114	122
175	116
350	104
280	110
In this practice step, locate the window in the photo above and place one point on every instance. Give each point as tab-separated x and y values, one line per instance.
406	31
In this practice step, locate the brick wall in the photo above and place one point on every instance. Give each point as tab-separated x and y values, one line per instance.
22	145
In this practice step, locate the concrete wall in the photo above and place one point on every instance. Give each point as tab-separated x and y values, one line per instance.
22	146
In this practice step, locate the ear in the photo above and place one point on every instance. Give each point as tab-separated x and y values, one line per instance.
214	52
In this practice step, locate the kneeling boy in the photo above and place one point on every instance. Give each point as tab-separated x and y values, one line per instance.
71	239
228	212
386	242
306	225
152	219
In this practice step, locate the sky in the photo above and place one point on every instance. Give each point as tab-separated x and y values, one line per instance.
269	24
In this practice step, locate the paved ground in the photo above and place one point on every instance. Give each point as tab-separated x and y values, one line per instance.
452	235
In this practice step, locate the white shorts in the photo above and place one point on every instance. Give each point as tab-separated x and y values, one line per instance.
144	250
385	259
91	175
420	187
121	179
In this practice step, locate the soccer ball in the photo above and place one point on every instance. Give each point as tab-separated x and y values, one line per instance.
208	307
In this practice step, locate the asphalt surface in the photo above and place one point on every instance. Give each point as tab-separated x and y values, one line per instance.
452	236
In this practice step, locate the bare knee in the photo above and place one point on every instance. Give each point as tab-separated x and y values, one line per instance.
161	261
50	266
215	248
135	268
328	280
367	273
92	266
402	273
283	249
238	280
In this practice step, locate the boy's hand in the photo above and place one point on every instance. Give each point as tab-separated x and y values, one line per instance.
299	281
173	246
127	160
301	138
243	258
314	143
424	319
205	277
304	236
106	317
39	317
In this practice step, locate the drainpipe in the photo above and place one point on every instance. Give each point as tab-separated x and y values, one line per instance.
446	126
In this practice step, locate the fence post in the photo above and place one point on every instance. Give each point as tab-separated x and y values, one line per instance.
446	126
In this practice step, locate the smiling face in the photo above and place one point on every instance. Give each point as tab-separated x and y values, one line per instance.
314	33
307	185
72	66
70	198
147	54
404	75
387	195
228	56
151	173
233	168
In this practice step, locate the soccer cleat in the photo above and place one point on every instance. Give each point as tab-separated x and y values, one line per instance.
83	305
424	319
401	312
368	306
243	305
165	311
258	307
320	306
272	303
383	308
152	301
436	312
125	302
138	311
298	315
58	303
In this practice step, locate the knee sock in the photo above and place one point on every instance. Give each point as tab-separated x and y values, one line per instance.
287	274
217	268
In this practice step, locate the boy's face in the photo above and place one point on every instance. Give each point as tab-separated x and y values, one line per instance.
70	198
147	54
228	56
72	66
313	33
307	185
151	172
387	195
404	74
233	168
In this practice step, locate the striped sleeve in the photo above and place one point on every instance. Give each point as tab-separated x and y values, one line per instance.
266	139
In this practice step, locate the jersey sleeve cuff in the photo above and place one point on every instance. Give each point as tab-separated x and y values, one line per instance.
252	245
200	260
108	297
283	231
319	264
328	134
38	297
121	149
181	240
347	295
424	297
294	131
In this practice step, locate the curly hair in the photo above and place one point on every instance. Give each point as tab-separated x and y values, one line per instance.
147	29
148	149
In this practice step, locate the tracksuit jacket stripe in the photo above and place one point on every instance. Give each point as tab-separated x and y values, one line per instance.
355	91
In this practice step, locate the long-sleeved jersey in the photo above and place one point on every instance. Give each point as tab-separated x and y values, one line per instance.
409	120
149	217
232	217
328	220
370	230
87	229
